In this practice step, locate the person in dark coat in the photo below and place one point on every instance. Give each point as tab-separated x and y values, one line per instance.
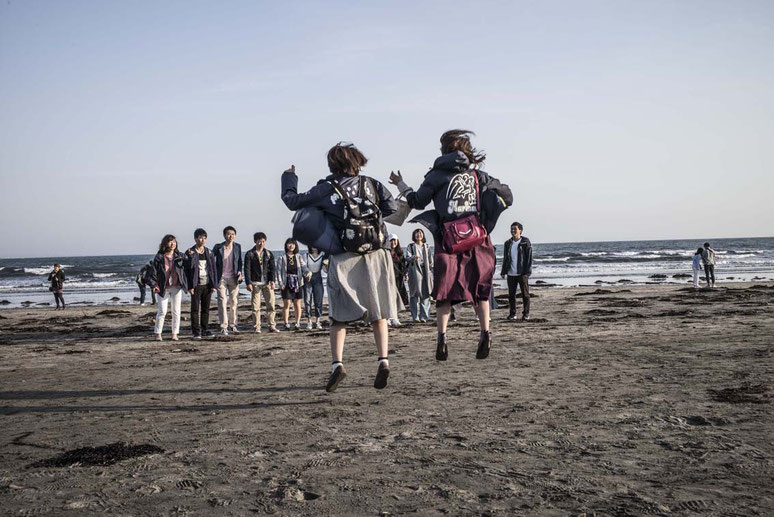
228	260
57	279
517	266
400	266
168	279
456	185
141	280
201	270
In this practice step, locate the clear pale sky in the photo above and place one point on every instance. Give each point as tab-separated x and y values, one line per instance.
610	120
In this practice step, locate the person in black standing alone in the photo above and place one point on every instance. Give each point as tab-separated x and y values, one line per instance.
202	271
517	266
142	280
57	278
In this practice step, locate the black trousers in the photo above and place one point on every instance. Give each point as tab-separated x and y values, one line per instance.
58	297
514	282
709	273
200	308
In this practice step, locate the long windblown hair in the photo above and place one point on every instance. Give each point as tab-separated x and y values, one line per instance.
459	140
344	159
164	246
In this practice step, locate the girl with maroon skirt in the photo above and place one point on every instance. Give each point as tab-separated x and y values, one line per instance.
454	185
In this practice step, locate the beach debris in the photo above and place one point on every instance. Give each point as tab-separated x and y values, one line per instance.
113	312
752	394
103	455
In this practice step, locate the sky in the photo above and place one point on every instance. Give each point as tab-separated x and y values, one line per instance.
610	120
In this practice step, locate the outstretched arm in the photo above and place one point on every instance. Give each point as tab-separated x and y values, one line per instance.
419	199
295	201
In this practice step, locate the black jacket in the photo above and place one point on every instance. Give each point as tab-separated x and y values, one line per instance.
254	268
451	186
57	279
525	253
192	258
236	255
158	275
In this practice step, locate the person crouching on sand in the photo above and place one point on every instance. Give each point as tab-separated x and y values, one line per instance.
361	285
168	280
455	185
202	271
57	279
696	266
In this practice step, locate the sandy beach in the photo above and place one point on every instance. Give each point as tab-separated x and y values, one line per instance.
615	401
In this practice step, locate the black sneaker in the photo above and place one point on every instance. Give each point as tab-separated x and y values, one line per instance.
511	317
336	377
207	333
525	317
441	350
381	376
484	344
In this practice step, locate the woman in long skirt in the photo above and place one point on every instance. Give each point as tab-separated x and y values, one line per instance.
420	276
454	185
361	285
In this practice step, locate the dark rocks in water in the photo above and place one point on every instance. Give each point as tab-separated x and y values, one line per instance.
540	282
43	303
26	303
5	302
625	281
599	282
658	276
115	299
113	312
136	298
729	278
681	275
104	455
759	278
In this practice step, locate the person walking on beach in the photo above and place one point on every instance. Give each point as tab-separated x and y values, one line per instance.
142	282
420	276
168	280
399	265
202	271
259	278
228	258
464	255
517	266
361	279
57	279
291	273
708	258
696	266
313	288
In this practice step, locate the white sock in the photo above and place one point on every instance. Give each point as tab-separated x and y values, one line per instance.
335	365
385	361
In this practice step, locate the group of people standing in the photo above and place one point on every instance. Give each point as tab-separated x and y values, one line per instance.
704	257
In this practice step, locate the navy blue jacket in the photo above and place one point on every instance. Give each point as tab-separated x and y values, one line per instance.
525	254
158	275
192	267
236	256
325	197
254	268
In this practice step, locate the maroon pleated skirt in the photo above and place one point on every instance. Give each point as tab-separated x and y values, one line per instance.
464	276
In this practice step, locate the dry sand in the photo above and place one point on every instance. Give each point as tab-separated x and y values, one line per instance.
646	400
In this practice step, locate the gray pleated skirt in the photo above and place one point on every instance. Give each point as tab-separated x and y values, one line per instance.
362	287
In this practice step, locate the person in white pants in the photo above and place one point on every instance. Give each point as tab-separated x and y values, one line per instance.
168	279
697	260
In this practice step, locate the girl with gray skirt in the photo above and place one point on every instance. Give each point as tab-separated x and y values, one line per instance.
361	286
420	276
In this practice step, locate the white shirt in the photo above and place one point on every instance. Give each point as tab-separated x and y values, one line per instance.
514	269
314	264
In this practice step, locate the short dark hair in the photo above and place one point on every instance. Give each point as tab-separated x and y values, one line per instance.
414	235
199	232
459	140
290	240
521	228
699	251
344	159
227	228
706	245
259	235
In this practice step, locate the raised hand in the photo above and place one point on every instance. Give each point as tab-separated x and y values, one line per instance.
395	178
291	170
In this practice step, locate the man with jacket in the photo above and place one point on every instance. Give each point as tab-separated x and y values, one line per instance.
201	270
517	266
259	279
708	257
228	259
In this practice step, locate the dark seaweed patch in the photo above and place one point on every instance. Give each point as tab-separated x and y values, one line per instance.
104	455
740	395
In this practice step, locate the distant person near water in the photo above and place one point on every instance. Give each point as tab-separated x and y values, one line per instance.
361	279
399	266
202	271
142	282
420	276
259	279
467	201
168	279
228	258
708	258
696	266
517	266
57	279
291	275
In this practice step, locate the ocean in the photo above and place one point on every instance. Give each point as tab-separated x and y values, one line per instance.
111	279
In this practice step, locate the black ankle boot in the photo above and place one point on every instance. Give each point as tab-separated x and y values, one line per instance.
441	351
484	344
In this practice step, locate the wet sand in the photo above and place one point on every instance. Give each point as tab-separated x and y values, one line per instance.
644	400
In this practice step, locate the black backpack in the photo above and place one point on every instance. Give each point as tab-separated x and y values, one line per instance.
362	232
